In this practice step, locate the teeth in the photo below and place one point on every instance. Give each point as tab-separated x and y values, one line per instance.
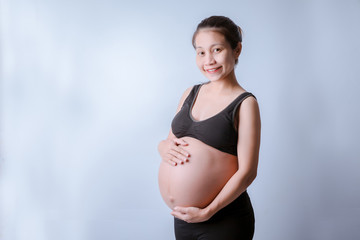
212	70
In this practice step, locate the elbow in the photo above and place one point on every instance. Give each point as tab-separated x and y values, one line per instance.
251	177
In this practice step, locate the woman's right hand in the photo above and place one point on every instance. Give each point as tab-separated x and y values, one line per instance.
171	151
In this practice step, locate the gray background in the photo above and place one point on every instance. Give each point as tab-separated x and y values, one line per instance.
88	89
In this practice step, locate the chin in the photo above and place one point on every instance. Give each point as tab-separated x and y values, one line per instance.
213	79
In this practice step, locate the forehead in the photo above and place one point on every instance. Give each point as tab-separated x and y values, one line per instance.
207	37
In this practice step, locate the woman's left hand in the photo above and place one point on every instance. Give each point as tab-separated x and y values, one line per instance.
191	214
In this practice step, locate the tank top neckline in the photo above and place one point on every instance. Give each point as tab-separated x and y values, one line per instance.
217	114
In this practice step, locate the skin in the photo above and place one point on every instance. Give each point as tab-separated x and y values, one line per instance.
197	182
216	60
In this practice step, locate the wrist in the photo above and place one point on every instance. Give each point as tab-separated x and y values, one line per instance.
209	211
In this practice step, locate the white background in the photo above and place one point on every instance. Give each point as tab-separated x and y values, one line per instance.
89	88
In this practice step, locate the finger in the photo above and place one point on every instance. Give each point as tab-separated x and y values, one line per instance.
182	151
179	149
177	215
184	217
180	141
172	163
170	159
182	210
175	159
178	156
187	218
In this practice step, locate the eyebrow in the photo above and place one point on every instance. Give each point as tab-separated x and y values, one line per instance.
211	45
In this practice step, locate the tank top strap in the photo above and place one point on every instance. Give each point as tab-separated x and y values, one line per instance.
193	93
238	101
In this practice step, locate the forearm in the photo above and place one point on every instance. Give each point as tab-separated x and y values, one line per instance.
236	185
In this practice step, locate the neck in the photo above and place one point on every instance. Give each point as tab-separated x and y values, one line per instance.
225	83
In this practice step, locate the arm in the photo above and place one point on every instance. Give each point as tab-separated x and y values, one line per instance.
248	154
170	148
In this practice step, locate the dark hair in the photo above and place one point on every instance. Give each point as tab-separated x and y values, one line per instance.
223	25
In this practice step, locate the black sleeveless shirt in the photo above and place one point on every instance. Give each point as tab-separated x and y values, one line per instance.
217	131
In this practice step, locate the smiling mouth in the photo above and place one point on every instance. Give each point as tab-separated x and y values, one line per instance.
212	70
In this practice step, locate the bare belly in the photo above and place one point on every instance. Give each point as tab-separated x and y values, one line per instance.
197	182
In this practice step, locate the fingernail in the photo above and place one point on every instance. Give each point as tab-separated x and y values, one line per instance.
182	162
175	164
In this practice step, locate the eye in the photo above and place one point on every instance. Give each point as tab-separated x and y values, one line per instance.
217	50
201	53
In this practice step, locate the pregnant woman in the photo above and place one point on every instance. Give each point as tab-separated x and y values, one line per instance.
210	156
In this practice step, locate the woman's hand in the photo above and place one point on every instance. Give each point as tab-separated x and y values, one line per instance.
191	214
171	151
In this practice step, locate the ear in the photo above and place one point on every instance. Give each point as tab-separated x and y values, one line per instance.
238	50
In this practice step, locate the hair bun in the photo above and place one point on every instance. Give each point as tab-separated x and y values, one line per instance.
240	33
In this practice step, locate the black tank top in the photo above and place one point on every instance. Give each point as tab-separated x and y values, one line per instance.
217	131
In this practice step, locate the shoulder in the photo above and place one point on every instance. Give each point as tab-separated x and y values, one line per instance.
187	91
185	96
250	103
250	99
245	98
249	112
247	106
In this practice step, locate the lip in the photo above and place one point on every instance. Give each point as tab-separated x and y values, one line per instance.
213	70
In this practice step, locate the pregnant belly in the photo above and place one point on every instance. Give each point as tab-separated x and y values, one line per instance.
197	182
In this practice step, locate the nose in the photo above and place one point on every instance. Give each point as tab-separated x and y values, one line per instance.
210	60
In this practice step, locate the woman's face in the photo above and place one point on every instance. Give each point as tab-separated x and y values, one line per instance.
214	56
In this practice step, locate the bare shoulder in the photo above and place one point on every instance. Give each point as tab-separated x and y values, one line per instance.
186	92
249	127
249	103
183	97
249	109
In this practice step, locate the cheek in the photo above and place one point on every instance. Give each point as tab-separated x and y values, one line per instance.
230	59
